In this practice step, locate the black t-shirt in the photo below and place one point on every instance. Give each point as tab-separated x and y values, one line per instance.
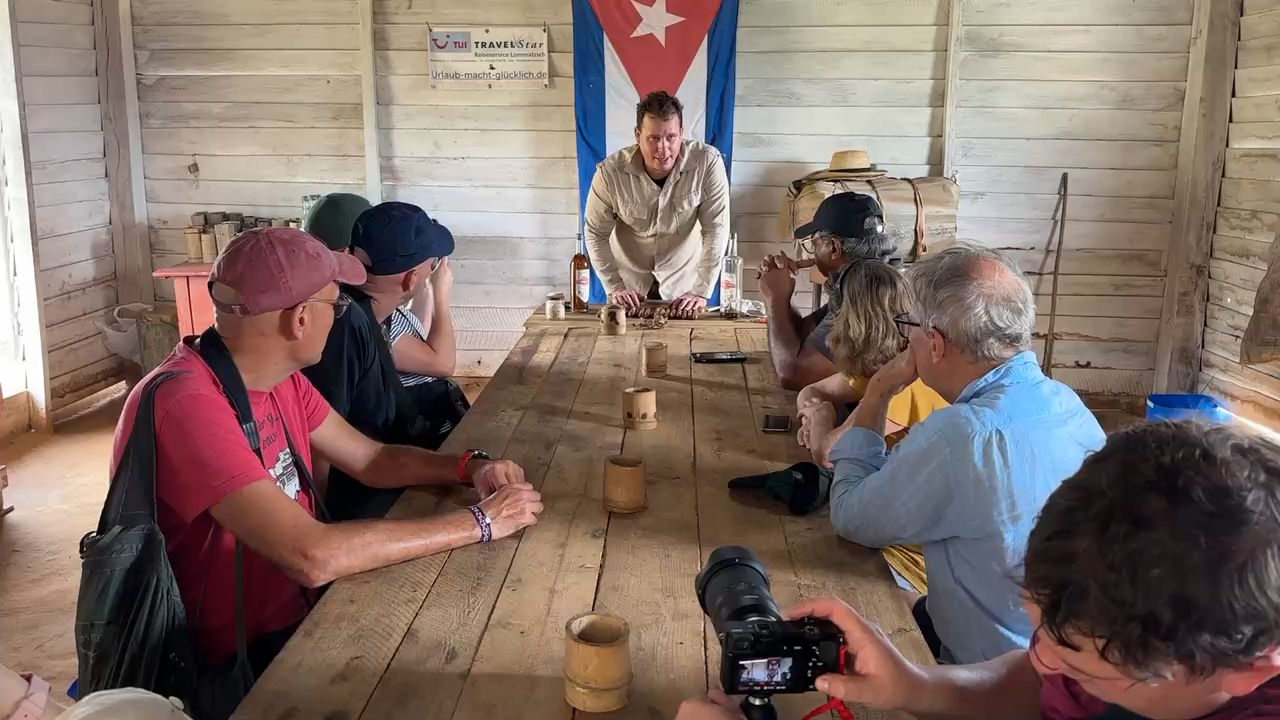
356	374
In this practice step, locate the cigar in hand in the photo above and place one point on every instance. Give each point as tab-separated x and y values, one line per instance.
801	264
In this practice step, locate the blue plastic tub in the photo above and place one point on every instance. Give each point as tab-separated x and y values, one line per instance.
1180	406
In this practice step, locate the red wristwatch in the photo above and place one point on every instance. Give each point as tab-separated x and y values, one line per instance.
466	459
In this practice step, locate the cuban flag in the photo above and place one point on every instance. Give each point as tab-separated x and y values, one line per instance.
625	49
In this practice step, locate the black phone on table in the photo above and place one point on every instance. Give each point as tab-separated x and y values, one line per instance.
723	356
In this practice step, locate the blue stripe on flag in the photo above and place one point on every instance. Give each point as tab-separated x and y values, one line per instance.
588	100
722	51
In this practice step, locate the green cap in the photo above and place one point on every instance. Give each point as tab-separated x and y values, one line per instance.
332	218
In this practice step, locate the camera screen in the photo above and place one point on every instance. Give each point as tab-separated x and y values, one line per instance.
764	674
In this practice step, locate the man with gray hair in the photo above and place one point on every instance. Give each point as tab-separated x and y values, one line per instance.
968	481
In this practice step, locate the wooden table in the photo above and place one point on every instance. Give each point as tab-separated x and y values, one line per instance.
191	292
479	632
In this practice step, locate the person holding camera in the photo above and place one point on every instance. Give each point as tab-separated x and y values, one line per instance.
1150	577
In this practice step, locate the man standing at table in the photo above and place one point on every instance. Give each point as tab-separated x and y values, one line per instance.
657	219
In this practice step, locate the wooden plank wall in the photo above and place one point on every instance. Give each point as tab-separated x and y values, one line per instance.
245	105
1248	220
263	99
1094	88
73	223
498	169
815	78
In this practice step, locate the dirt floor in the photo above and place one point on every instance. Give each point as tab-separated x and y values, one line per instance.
56	485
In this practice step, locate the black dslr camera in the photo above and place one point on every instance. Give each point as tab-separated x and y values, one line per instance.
761	654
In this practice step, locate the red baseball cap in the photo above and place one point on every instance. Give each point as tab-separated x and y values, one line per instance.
277	268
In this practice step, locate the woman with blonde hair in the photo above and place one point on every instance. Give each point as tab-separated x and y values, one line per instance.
866	335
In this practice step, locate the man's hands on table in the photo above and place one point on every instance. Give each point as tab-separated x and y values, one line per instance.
629	299
511	503
512	508
689	305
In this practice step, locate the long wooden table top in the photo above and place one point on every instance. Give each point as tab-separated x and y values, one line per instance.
478	633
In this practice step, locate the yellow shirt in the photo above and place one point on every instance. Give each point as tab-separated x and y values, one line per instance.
910	406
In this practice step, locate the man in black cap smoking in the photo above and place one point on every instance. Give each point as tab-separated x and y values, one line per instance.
846	227
400	246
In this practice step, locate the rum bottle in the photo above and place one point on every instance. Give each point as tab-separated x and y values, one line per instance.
580	276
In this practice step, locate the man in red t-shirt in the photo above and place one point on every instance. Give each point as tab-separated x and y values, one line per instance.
276	295
1153	577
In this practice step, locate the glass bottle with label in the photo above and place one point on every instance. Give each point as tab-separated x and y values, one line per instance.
580	276
731	281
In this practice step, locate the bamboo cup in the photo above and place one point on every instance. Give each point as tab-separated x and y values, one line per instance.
208	247
597	662
613	320
624	485
640	408
655	359
192	237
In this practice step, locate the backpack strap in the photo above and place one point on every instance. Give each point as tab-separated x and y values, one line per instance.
135	501
216	355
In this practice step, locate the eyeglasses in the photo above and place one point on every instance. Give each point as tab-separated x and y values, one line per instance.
904	323
810	244
340	304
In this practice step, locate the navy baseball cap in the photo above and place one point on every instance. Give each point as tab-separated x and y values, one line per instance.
847	215
396	237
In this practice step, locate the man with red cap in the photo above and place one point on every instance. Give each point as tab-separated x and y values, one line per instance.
276	296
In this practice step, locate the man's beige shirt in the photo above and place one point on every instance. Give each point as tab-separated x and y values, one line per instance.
637	232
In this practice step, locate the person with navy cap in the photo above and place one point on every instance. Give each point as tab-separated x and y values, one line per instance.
406	254
846	227
357	373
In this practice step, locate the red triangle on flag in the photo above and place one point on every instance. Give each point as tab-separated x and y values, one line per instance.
656	54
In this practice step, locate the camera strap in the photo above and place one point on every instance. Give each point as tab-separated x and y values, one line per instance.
835	705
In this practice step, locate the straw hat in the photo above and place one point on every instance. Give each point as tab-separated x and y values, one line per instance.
851	160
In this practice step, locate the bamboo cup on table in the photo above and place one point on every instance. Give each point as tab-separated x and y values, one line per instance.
208	247
597	662
655	359
640	408
624	485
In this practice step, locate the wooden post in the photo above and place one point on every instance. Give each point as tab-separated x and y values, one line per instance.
122	132
369	94
1201	155
955	41
21	217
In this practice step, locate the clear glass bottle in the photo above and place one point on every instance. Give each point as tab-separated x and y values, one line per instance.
580	276
731	281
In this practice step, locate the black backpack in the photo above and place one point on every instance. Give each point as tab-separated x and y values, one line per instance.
131	627
131	624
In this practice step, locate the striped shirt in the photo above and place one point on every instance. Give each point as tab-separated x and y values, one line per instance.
401	323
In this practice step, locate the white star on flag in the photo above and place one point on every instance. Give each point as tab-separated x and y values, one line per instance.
654	20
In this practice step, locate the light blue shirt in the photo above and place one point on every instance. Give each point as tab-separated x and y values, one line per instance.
967	484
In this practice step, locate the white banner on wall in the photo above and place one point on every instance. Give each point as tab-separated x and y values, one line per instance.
488	58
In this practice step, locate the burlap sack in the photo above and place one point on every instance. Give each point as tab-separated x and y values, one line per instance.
919	213
1261	341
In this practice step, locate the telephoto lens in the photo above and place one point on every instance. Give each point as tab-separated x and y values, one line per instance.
734	587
